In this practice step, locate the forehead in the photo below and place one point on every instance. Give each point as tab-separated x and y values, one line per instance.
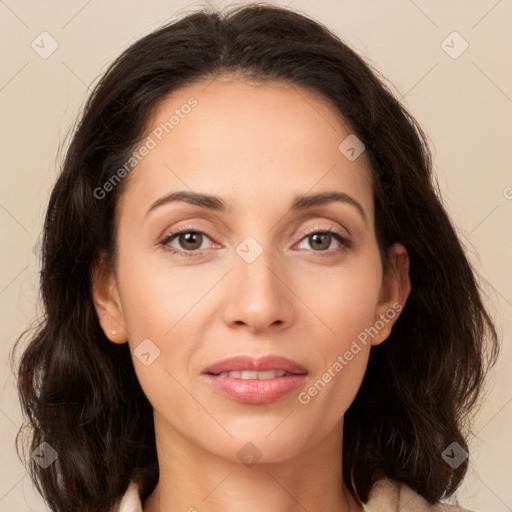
247	141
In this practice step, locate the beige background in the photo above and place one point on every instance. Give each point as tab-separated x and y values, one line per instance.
463	103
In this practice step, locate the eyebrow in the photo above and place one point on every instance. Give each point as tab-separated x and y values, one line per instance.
300	202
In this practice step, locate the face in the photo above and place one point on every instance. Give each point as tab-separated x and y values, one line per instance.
254	271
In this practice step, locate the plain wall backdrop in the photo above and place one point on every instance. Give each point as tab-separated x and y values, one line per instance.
448	61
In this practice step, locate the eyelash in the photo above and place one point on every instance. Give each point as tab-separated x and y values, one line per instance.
346	244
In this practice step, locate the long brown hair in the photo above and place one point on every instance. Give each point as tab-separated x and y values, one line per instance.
79	392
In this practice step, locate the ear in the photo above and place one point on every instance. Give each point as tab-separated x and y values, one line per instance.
107	302
395	289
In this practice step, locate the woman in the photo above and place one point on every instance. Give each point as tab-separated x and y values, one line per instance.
198	351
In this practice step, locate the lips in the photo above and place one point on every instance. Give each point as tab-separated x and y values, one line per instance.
256	381
247	363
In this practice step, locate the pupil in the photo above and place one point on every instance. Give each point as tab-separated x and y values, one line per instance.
189	238
315	238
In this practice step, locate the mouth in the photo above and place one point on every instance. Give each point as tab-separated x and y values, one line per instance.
252	375
255	381
247	364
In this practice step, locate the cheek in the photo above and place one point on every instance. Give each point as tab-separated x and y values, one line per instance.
155	312
343	298
156	297
344	302
162	311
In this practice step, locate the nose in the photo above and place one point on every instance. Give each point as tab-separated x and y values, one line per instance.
258	295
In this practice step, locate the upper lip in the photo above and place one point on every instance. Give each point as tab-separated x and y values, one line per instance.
248	363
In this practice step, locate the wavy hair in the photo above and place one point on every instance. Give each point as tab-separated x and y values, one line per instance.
79	392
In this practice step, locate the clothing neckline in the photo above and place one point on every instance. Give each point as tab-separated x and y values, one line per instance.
386	495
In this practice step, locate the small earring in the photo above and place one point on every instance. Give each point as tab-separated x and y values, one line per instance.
113	331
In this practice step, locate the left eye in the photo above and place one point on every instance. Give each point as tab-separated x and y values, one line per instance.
319	239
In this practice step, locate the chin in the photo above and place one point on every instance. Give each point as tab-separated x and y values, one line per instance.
260	448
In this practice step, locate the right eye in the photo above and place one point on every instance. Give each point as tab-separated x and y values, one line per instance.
189	239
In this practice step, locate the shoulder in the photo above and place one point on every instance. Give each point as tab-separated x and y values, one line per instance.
387	495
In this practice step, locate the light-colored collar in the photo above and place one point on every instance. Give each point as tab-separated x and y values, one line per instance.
387	495
130	502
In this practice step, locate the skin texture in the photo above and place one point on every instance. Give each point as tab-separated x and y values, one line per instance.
256	146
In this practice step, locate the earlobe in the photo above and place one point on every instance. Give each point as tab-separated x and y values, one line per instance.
396	286
107	302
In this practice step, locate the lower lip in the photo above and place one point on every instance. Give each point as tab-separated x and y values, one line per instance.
255	391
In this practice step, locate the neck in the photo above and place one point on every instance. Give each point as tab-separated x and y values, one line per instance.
193	480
